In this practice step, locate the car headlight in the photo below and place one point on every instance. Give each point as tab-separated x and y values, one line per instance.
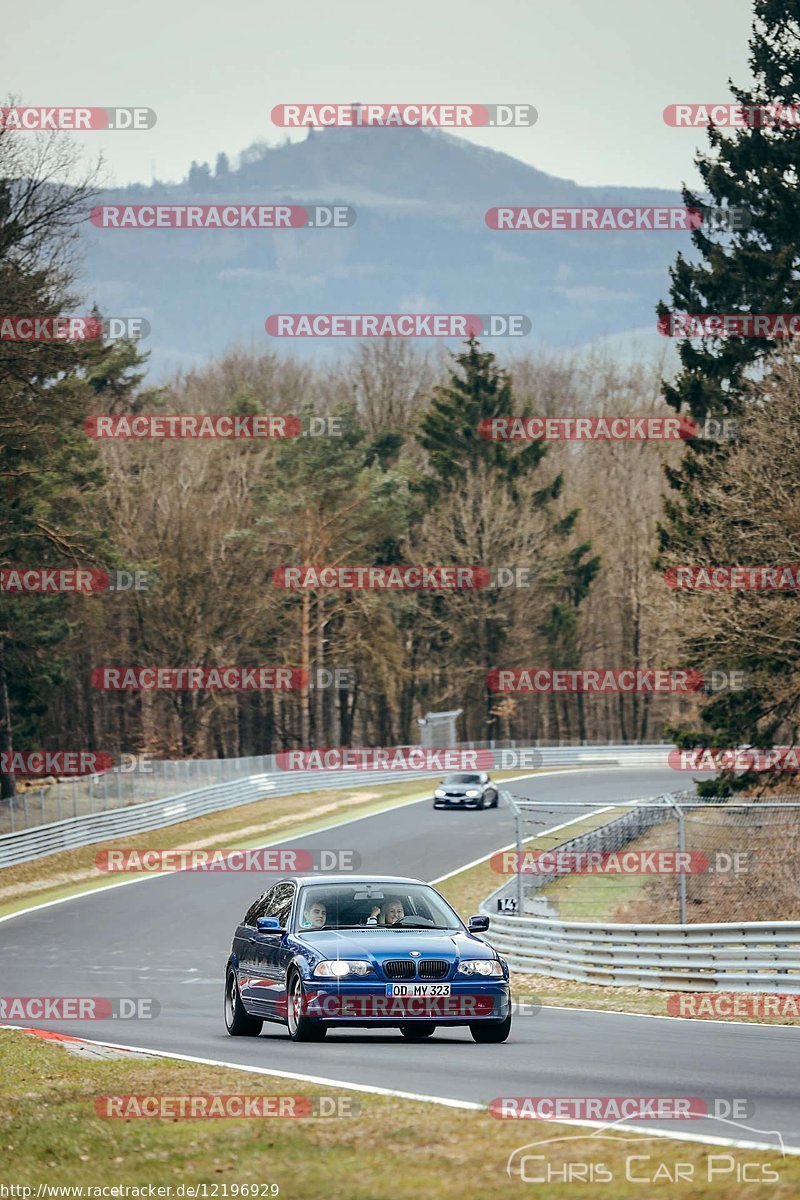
473	793
481	966
337	967
439	793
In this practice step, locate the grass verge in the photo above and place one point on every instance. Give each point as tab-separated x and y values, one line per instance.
50	1134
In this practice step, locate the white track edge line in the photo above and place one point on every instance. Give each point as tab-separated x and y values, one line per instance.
444	1101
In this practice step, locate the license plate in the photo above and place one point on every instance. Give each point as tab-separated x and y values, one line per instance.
418	989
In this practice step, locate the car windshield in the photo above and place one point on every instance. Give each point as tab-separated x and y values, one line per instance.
395	906
463	779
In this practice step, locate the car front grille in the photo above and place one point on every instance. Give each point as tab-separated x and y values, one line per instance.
433	968
399	968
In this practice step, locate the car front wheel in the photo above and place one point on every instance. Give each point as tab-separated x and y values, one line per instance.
238	1021
301	1027
491	1031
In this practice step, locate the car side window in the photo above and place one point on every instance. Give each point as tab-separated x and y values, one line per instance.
280	903
260	908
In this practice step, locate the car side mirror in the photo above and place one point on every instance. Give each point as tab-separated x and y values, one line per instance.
269	925
478	924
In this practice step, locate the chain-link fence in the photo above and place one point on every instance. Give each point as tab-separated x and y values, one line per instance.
136	783
670	858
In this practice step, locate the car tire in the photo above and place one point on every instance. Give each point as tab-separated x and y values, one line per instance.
238	1021
496	800
416	1031
481	803
491	1031
301	1029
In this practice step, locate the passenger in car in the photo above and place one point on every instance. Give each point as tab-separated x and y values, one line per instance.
316	916
392	913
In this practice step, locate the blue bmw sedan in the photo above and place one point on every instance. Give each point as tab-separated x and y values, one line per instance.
316	952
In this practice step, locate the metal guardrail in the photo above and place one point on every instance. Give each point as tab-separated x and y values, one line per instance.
28	844
755	956
141	779
85	829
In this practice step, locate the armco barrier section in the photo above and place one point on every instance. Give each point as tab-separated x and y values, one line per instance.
40	840
754	956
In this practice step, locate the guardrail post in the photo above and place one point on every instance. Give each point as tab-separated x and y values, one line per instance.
681	849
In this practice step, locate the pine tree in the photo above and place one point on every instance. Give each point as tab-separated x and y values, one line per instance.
459	456
49	469
753	270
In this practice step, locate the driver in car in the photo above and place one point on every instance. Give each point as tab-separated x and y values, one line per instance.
392	913
316	916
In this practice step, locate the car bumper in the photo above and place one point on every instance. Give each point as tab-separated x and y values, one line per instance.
456	802
367	1004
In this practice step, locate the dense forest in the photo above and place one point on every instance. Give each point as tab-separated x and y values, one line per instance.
396	470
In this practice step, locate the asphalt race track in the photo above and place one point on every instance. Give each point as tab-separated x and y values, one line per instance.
169	938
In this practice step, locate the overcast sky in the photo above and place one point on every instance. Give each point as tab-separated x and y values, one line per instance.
599	72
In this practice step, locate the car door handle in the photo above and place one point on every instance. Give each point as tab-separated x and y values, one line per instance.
251	940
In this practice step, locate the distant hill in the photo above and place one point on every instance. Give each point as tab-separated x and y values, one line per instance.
420	243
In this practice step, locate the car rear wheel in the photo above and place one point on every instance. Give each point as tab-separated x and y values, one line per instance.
238	1021
416	1032
301	1027
491	1031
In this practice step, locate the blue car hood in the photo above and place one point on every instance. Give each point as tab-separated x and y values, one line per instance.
373	941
